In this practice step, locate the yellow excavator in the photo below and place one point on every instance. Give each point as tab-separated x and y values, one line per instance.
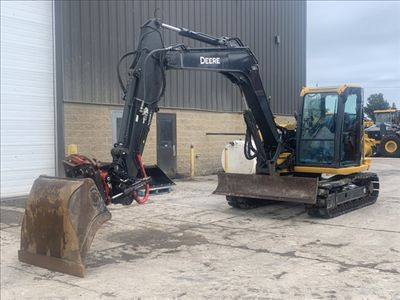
321	162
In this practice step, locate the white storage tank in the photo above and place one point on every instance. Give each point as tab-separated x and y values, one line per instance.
234	161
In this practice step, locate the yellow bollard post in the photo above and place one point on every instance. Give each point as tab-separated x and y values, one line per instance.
192	161
72	149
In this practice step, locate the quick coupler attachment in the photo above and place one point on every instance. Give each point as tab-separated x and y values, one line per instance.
134	187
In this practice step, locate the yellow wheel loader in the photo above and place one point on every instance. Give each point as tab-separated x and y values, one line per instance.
385	133
320	163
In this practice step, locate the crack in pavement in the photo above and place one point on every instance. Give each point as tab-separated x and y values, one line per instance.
272	215
9	226
292	254
352	227
51	278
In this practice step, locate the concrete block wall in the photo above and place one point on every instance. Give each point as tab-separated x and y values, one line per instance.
90	127
192	127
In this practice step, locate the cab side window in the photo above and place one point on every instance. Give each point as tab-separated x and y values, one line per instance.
351	131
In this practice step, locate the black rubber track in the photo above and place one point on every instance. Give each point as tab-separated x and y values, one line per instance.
246	203
362	179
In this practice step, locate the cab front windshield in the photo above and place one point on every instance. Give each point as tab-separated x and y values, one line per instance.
384	117
318	128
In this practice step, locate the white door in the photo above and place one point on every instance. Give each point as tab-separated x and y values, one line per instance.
27	95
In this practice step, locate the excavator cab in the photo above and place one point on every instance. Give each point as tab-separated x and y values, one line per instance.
390	116
330	127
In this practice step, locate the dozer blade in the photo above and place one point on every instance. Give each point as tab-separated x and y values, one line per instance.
279	188
61	218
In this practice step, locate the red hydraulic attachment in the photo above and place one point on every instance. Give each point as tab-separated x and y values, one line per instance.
96	166
141	200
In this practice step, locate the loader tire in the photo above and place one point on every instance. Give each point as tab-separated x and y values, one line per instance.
390	146
244	203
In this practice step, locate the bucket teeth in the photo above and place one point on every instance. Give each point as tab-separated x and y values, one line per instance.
61	219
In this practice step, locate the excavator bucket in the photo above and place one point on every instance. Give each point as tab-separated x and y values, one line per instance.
61	218
279	188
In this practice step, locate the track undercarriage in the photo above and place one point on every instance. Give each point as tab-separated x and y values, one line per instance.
340	196
336	196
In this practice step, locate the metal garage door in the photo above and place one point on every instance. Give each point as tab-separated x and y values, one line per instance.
27	95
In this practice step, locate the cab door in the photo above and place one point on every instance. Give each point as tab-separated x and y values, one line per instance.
350	148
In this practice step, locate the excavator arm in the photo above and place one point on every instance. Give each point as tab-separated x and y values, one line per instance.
240	66
146	85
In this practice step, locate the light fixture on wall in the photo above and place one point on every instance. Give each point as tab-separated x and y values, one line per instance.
277	39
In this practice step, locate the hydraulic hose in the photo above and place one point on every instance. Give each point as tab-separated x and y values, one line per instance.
121	84
138	199
252	134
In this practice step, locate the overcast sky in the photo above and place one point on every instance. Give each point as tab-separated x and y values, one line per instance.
355	42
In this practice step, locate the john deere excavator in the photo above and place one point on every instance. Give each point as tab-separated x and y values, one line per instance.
321	163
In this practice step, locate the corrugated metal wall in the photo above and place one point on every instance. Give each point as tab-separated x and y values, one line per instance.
97	33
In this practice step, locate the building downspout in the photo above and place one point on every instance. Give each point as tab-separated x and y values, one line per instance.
58	87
